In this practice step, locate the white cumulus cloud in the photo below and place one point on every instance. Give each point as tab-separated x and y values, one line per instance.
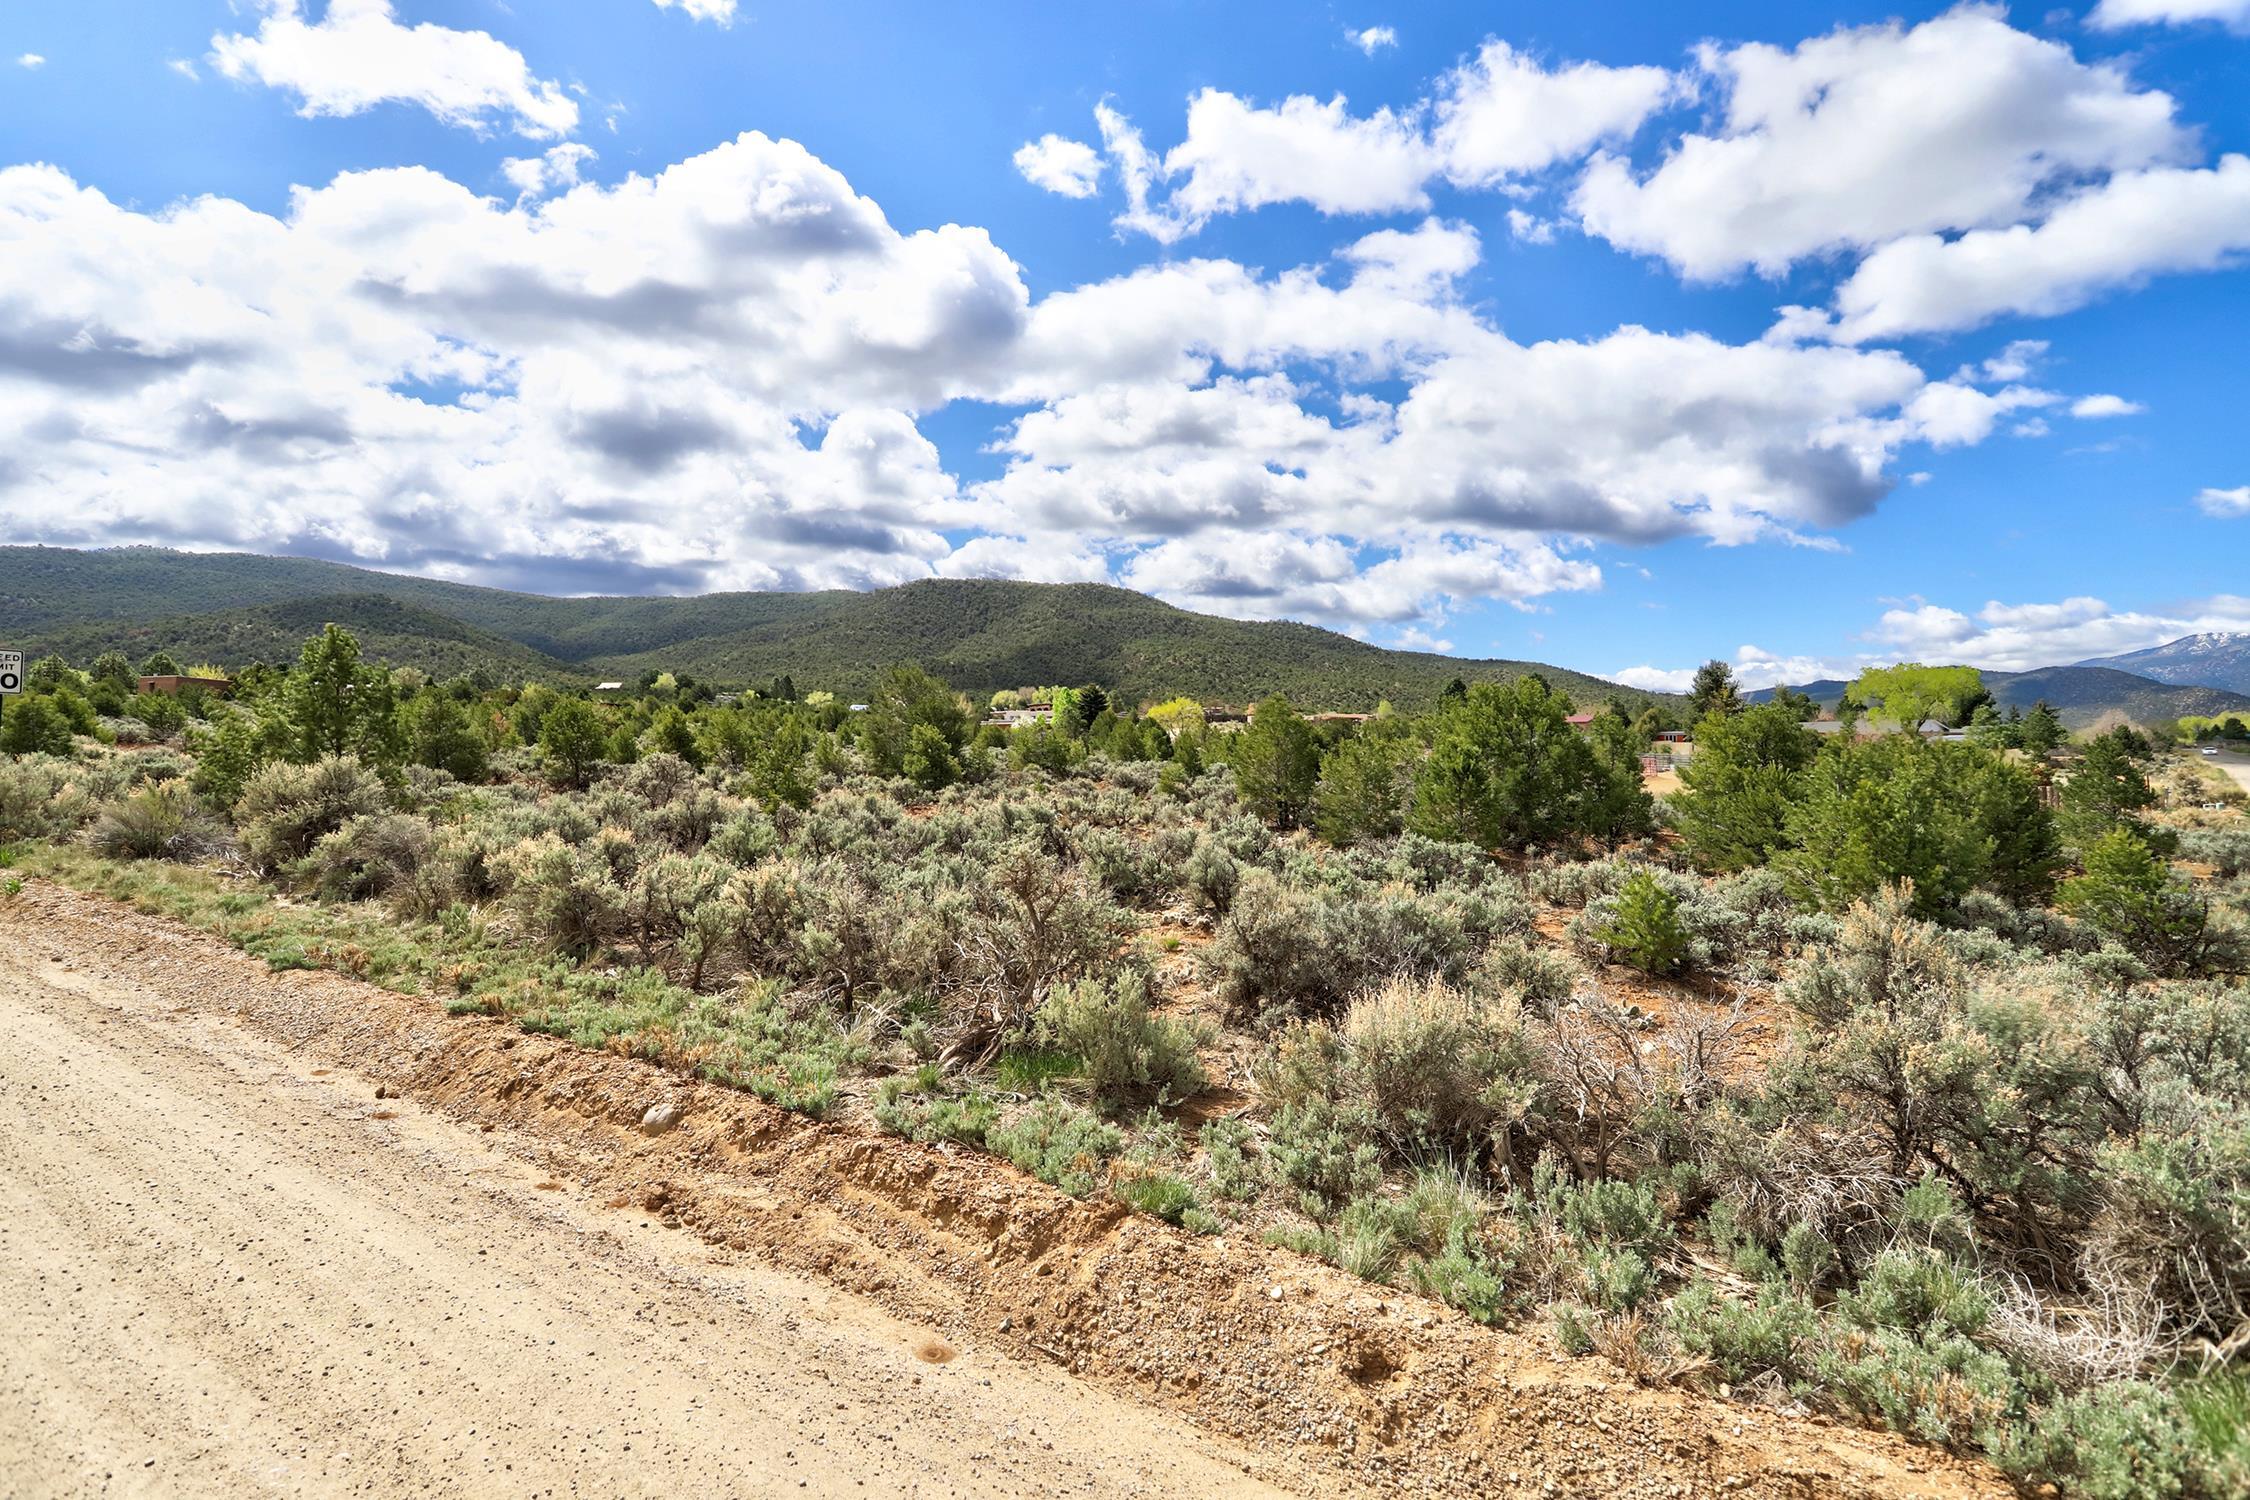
2218	502
1373	39
1754	668
713	376
721	11
1060	165
1850	140
1238	156
2116	15
358	55
1502	115
2098	407
551	171
2135	225
2018	637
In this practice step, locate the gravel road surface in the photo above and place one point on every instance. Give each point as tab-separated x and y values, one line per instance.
226	1271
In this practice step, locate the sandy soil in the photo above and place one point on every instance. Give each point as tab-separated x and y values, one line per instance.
229	1272
290	1233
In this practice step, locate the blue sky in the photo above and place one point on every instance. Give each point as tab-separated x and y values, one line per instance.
1439	324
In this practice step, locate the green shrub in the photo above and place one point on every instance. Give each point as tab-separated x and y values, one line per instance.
162	820
1642	927
1919	1292
1058	1143
929	761
1326	1152
1776	1333
286	809
1233	1173
31	724
1807	1257
1126	1053
2128	1440
2128	894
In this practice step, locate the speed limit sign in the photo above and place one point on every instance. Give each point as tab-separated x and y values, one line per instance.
11	671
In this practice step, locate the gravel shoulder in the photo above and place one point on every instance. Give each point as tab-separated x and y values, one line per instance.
288	1233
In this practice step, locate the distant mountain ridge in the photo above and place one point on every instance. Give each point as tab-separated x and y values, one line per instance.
980	634
2080	694
2215	659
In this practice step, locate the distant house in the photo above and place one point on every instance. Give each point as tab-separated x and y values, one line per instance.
1579	721
1337	718
609	687
1673	737
1020	718
173	686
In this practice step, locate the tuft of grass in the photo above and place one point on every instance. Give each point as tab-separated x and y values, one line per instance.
917	1106
1032	1070
1159	1194
2218	1409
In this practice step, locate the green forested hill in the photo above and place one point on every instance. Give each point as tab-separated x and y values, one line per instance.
984	634
402	634
978	634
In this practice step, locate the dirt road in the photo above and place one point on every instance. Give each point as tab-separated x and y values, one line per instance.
226	1271
289	1233
2234	765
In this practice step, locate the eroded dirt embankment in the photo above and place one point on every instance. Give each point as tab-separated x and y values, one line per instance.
1284	1368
